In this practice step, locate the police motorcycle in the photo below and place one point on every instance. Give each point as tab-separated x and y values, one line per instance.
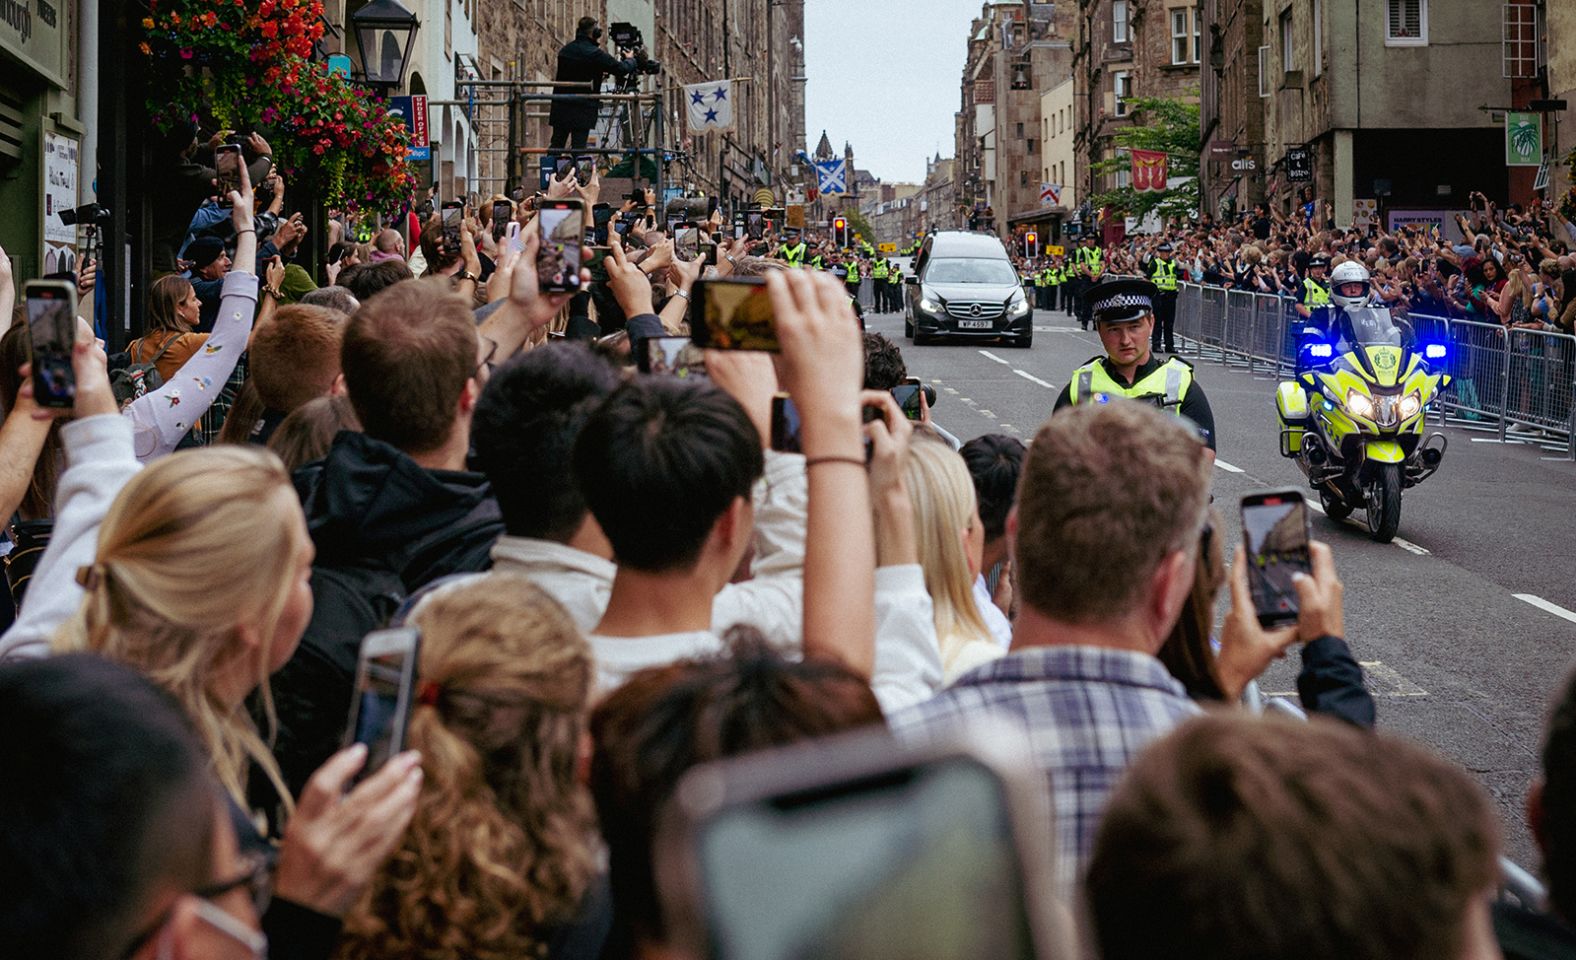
1353	419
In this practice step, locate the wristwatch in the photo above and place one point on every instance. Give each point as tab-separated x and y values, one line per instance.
463	276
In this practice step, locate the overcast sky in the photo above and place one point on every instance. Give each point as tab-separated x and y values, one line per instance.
885	76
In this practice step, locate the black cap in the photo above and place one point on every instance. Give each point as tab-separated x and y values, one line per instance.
1319	260
1165	246
1121	300
204	251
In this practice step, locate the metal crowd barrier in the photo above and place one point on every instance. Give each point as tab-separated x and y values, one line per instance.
1517	382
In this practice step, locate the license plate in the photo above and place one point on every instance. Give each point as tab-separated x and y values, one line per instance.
975	324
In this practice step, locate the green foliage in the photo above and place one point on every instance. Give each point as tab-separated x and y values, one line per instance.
1168	126
858	224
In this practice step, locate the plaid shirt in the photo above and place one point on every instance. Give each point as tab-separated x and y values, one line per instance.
1087	712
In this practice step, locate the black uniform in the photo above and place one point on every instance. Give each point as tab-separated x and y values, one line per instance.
581	61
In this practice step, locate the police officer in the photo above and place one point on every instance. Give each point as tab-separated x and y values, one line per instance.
878	275
793	249
1124	315
1088	265
1314	294
1162	271
853	276
894	288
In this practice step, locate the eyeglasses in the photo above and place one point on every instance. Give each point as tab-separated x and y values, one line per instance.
256	876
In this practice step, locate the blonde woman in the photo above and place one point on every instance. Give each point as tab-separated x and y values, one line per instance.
195	572
951	543
501	855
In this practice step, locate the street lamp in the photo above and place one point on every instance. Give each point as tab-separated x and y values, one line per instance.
385	31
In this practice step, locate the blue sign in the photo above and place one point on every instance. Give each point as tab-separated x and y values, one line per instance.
420	153
339	66
405	109
832	176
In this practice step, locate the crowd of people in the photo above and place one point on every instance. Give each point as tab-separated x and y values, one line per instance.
1510	266
617	580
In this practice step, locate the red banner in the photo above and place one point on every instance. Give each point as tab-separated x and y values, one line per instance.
1149	171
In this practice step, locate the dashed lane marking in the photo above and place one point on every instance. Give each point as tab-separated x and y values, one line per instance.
1406	545
1383	680
1410	547
1546	606
1033	379
991	356
1228	467
986	413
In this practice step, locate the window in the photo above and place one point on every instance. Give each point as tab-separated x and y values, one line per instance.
1031	146
1406	23
1023	178
1122	87
1318	37
1119	21
1521	53
1185	28
1020	131
1264	71
1198	32
1288	48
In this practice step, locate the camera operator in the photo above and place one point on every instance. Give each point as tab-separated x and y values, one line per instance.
581	61
189	182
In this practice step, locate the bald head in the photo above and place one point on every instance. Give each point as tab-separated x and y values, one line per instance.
389	241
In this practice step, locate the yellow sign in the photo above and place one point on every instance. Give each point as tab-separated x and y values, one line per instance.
1056	250
887	247
796	215
765	197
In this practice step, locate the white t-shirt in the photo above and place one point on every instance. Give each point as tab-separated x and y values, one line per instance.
618	658
1000	627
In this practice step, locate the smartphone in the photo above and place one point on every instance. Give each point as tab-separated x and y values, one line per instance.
775	216
732	313
52	325
675	356
559	258
585	169
453	213
1275	533
601	216
686	241
337	252
908	394
739	226
563	165
755	224
546	169
227	161
706	252
785	425
512	237
862	848
385	692
502	216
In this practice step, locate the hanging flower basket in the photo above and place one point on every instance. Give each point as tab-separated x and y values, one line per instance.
247	63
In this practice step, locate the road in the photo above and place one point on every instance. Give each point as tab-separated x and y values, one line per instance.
1464	623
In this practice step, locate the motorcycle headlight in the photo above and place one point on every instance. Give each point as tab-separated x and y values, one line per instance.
1359	405
1410	404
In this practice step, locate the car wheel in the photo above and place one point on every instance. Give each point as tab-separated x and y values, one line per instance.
922	340
908	328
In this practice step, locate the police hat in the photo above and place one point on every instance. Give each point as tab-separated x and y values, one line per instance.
1165	246
1319	261
1121	300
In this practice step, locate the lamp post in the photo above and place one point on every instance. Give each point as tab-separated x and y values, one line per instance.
385	31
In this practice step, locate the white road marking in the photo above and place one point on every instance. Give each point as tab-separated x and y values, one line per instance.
1313	505
1228	467
1545	605
991	356
1033	379
951	390
1406	545
1410	547
1385	681
987	413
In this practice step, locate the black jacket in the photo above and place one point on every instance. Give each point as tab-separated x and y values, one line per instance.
582	61
383	527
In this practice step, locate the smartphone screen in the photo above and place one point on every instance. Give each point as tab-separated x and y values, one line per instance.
674	356
755	224
686	242
918	862
337	252
385	690
559	260
562	166
706	252
1275	531
453	213
227	161
51	321
546	168
733	313
502	214
585	169
738	225
907	395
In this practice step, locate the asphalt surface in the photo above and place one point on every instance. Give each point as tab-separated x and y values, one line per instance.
1447	621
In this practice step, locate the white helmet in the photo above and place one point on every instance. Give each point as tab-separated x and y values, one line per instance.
1349	284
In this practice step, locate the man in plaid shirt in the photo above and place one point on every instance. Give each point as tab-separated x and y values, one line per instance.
1111	505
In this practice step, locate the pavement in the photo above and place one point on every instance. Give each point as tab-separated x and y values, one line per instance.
1464	624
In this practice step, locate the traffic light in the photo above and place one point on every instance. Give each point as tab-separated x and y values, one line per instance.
1031	245
840	232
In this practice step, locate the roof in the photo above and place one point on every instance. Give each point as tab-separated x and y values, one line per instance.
960	243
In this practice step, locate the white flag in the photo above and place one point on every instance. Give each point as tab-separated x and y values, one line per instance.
710	106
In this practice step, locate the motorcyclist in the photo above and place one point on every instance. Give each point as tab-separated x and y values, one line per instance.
1350	289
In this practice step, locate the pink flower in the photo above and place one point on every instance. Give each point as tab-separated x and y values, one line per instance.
186	53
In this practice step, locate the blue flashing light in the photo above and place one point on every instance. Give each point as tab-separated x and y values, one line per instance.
1434	351
1321	350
